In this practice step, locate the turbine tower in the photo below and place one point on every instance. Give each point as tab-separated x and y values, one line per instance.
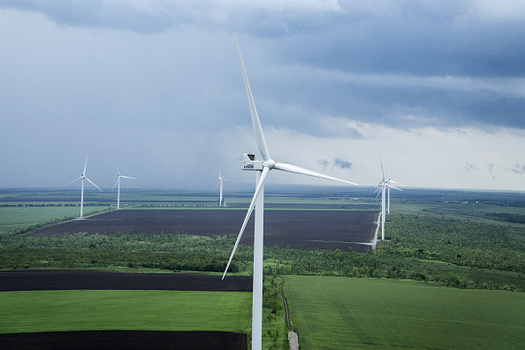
220	183
381	190
262	168
82	178
117	184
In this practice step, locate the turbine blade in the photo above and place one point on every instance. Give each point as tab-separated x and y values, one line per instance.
257	128
265	172
91	182
77	179
116	183
379	190
382	168
85	166
298	170
116	167
395	188
128	177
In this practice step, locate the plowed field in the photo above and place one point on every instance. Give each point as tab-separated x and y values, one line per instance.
322	229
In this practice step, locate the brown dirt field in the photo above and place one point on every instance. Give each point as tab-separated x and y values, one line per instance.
80	279
321	229
124	340
25	280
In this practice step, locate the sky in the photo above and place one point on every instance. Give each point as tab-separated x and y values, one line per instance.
436	89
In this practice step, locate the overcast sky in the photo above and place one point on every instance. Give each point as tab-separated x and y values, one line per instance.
435	88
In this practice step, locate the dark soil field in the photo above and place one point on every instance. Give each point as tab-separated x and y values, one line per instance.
323	229
25	280
77	279
88	340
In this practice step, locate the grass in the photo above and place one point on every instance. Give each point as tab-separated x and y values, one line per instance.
75	310
12	218
347	313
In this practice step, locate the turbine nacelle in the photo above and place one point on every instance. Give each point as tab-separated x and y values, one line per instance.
249	162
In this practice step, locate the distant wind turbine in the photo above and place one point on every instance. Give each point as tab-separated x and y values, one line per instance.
117	184
82	178
384	189
262	168
220	182
389	185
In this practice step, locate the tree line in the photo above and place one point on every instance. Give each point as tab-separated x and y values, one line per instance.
414	244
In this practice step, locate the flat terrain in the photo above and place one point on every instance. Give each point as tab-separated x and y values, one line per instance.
323	229
112	302
350	313
31	280
91	340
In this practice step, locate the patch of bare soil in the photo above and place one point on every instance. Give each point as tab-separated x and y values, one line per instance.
90	340
24	280
323	229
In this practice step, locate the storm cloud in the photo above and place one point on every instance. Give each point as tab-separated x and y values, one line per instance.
157	87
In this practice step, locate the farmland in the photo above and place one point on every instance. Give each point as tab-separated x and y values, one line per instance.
372	313
73	300
474	242
284	228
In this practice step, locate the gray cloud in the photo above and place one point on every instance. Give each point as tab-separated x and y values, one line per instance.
518	168
323	163
409	39
119	15
470	167
160	82
339	162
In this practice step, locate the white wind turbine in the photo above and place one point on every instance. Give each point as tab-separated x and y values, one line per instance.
262	168
384	189
389	185
82	178
117	184
220	183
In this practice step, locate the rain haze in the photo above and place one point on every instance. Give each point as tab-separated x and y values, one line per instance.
435	88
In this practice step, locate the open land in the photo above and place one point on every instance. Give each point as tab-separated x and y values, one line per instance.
26	280
323	229
384	314
52	307
462	239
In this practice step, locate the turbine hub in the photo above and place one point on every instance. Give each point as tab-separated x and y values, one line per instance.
270	163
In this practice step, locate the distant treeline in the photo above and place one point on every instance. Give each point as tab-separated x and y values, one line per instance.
180	252
507	217
462	242
160	251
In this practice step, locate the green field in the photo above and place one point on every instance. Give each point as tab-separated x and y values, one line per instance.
17	218
44	311
346	313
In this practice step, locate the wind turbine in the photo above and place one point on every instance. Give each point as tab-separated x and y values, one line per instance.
262	168
389	184
117	184
82	178
384	188
220	182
